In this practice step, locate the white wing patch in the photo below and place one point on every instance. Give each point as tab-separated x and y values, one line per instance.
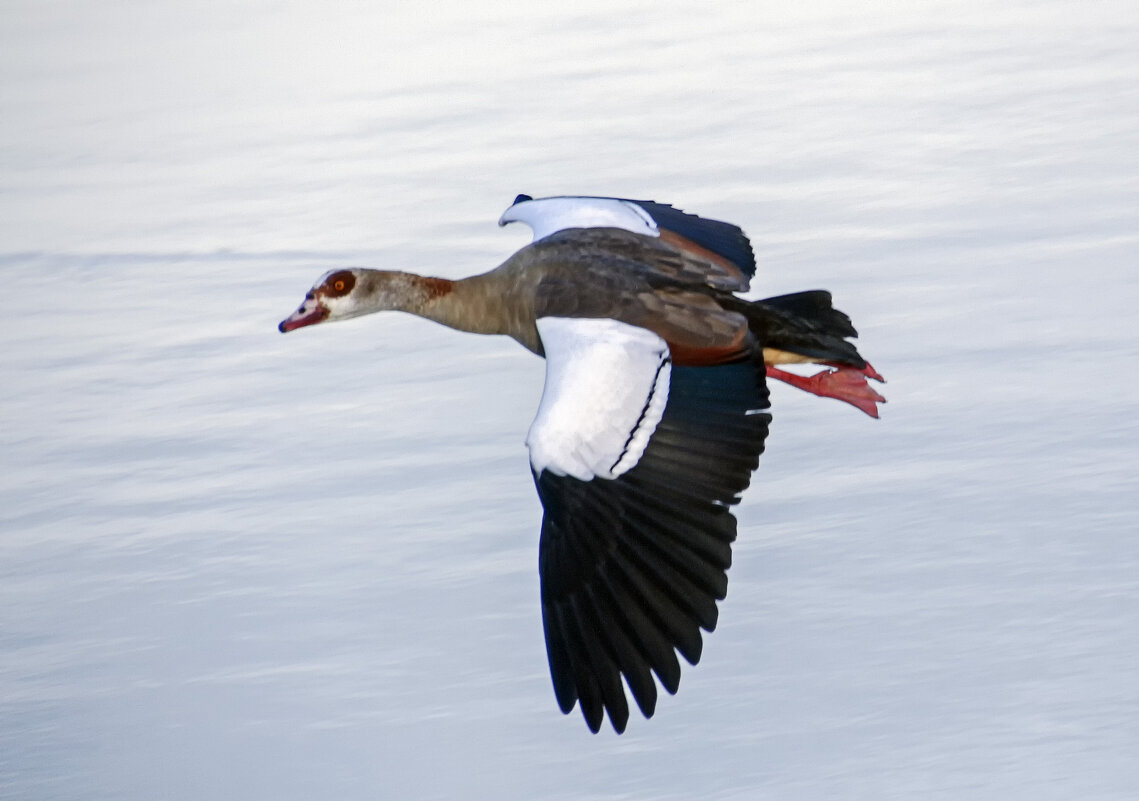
551	214
605	393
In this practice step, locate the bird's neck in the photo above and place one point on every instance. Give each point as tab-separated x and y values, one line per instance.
481	304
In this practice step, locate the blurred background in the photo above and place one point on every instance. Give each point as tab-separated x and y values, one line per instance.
238	565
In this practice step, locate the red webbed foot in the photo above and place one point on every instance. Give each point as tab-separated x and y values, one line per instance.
847	384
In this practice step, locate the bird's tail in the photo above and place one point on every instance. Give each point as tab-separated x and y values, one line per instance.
805	327
804	324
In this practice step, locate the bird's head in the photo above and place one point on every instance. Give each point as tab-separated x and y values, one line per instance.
329	299
344	293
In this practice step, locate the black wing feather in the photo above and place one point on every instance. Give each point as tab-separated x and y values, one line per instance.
632	568
719	237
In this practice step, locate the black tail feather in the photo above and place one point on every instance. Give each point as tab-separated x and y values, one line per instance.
804	323
814	305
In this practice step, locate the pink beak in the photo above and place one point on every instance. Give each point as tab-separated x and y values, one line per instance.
302	317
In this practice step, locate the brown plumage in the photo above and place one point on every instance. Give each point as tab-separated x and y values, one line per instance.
651	423
607	273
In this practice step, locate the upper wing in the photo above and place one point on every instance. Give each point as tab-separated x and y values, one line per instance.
712	240
615	274
550	214
636	461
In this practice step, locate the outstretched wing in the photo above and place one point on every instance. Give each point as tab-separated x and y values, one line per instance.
636	461
719	242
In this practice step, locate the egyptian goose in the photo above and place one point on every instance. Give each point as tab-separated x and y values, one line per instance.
652	419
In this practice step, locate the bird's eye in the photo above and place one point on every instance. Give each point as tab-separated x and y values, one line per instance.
338	284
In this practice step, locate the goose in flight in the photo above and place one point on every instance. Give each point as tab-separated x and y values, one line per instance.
651	421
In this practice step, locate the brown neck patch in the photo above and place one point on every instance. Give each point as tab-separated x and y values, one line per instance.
435	287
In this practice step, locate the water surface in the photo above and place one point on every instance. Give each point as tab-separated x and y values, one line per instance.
240	565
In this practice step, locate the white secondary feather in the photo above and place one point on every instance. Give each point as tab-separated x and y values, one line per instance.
548	215
606	390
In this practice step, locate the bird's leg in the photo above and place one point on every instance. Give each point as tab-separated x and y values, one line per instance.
843	383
